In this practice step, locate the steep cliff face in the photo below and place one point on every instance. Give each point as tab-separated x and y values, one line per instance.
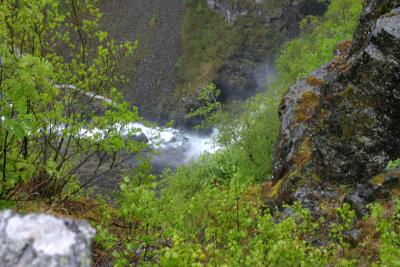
268	10
156	25
267	24
342	124
262	26
230	11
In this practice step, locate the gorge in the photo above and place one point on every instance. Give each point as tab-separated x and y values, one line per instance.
154	81
158	87
155	85
200	132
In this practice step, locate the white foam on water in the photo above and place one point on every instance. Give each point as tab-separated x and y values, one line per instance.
180	145
175	145
198	145
192	144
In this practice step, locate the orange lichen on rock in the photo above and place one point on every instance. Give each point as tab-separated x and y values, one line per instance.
344	46
272	190
314	81
378	180
303	154
306	106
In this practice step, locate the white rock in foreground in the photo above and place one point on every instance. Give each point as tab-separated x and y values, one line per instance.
37	240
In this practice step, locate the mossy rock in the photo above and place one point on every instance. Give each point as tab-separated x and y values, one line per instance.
388	179
305	107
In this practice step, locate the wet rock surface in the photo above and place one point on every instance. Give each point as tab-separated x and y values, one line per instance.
311	198
359	132
342	123
268	10
353	237
37	240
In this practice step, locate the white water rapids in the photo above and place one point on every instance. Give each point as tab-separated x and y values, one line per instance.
176	146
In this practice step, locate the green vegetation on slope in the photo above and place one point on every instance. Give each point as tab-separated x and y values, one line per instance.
208	40
52	124
207	213
317	42
210	213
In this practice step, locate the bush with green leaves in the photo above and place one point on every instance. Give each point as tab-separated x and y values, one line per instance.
208	105
393	164
250	136
60	109
389	230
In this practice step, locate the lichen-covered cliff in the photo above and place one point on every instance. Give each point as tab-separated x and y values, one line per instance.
342	124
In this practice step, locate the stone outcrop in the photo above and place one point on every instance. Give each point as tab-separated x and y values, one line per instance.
342	124
379	187
38	240
268	10
230	11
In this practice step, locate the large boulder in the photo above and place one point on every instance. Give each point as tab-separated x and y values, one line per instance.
38	240
342	124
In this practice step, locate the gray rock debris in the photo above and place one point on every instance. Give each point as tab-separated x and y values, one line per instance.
38	240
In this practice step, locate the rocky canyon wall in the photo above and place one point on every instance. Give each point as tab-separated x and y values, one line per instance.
263	26
156	25
274	22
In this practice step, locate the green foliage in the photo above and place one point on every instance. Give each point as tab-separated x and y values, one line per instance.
389	229
51	76
209	105
347	216
250	136
200	219
138	208
224	226
203	51
317	42
138	193
393	164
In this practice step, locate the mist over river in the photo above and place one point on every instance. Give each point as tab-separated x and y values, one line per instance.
175	146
